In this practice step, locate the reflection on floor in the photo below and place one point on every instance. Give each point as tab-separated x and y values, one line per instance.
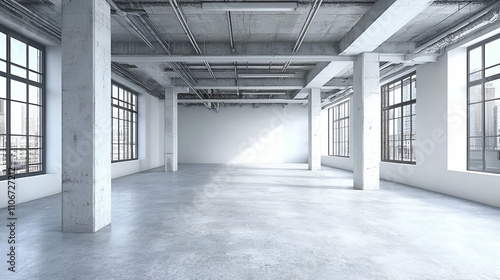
261	222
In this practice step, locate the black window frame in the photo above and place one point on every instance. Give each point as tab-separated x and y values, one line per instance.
482	82
337	115
42	102
386	108
134	149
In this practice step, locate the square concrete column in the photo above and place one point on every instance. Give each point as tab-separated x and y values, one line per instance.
314	129
86	115
171	146
365	144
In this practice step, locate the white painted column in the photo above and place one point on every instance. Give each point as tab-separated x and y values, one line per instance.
86	115
171	147
365	143
314	129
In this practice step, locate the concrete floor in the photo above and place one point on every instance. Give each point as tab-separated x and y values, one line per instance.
261	222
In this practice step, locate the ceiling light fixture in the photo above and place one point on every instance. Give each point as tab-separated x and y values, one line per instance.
250	6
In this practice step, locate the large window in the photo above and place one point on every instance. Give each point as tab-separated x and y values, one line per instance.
124	134
338	127
21	105
399	120
483	104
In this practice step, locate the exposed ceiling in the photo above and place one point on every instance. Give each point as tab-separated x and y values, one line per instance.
261	55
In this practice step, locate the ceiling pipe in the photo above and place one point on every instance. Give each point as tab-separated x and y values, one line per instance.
44	24
124	16
230	27
183	22
307	24
487	19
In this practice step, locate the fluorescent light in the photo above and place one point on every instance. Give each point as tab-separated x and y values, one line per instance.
250	6
265	75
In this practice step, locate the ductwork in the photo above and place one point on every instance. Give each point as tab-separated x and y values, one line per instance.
489	18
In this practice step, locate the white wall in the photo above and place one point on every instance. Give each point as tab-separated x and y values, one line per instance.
441	134
30	188
150	128
268	134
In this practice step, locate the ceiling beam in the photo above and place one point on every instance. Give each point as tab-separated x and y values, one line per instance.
245	83
383	20
227	58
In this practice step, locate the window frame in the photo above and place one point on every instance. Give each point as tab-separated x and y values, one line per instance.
385	155
334	132
480	82
136	112
42	101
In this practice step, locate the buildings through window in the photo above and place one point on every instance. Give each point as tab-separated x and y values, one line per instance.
399	120
483	106
21	105
338	127
124	118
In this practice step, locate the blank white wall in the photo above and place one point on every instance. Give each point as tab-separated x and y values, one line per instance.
438	124
30	188
239	135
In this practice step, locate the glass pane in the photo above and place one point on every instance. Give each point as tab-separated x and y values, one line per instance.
35	77
35	168
34	59
17	91
18	71
17	52
476	120
3	162
3	66
35	142
34	127
18	118
492	118
475	94
414	87
3	141
3	87
18	157
476	154
115	112
3	119
18	142
3	46
492	71
492	154
397	93
492	53
34	95
492	90
391	95
475	60
115	151
115	91
35	156
406	90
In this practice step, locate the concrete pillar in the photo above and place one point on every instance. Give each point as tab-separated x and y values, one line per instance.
171	149
86	115
314	129
365	143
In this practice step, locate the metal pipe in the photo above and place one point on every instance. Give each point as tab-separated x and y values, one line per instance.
230	27
185	27
47	26
307	24
124	16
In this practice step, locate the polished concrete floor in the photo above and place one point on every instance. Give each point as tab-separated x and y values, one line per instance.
261	222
